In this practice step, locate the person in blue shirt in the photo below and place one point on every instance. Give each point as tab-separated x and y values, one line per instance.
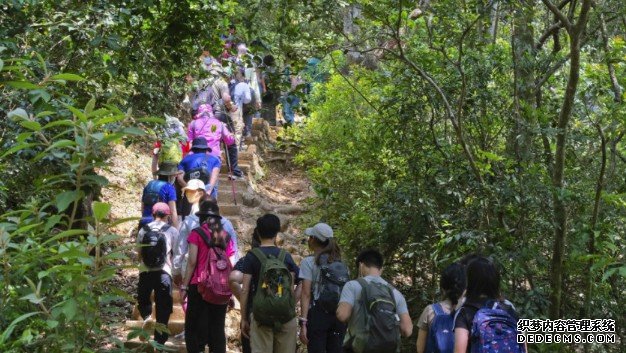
160	190
200	165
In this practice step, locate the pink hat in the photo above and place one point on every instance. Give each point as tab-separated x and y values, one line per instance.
204	110
161	207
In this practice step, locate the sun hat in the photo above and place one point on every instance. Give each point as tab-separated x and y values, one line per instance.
161	207
167	168
200	143
209	208
195	184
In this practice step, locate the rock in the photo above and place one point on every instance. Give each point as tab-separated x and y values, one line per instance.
280	239
266	206
251	149
250	199
284	222
290	209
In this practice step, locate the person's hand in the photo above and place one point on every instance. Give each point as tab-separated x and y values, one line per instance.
183	294
258	105
303	338
245	328
178	280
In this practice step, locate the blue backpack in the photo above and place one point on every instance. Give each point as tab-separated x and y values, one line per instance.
151	193
440	335
494	330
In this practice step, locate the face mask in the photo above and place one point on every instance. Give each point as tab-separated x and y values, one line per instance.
193	196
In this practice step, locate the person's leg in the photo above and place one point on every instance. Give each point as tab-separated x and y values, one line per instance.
336	335
238	125
217	320
285	340
262	338
163	302
233	149
245	343
316	330
195	318
144	288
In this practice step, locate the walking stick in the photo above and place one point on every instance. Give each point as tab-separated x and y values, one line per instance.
230	168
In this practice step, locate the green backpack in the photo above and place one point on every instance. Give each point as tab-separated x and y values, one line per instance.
274	303
170	151
377	325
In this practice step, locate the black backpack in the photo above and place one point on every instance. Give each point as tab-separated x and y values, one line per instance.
154	246
333	276
201	172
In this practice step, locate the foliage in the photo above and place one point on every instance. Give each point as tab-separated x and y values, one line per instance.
426	144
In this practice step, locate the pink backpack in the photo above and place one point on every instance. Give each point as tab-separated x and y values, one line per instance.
213	280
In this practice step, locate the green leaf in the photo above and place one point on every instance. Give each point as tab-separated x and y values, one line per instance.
1	64
22	85
61	144
70	308
63	200
101	210
133	131
76	112
9	330
33	298
67	77
18	147
31	125
52	323
18	112
90	105
65	234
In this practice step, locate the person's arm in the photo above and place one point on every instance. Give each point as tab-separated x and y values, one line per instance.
179	255
155	163
174	213
305	301
421	340
344	311
406	325
228	103
245	324
190	131
227	136
191	266
215	173
234	282
461	337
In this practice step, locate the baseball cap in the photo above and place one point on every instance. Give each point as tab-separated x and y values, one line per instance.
161	207
195	184
321	231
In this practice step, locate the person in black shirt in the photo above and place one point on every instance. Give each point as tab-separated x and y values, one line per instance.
483	288
284	341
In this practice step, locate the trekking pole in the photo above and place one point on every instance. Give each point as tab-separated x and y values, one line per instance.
230	168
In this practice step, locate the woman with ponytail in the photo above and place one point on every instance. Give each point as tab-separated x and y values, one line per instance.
320	330
452	285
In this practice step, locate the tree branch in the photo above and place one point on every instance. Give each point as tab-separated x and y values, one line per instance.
560	15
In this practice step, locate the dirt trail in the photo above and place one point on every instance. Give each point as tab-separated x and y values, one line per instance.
283	190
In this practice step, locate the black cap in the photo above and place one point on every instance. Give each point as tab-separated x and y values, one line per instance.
200	143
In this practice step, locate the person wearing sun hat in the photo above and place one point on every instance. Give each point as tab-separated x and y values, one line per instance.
157	279
200	165
160	190
206	125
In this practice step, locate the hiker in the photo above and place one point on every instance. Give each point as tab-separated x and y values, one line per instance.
160	190
268	279
200	165
484	304
206	311
435	325
156	240
192	221
236	280
323	276
206	125
371	298
220	101
171	145
246	100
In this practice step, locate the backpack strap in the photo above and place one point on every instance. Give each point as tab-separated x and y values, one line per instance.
146	228
259	255
165	228
204	236
282	255
438	309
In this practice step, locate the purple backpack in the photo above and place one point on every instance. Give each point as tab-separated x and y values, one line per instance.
494	330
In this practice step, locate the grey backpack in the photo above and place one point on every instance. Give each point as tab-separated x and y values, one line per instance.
377	325
333	276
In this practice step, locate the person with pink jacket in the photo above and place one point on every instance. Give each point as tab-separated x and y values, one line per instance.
206	125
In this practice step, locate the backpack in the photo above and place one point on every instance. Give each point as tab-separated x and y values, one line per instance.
377	327
273	303
204	95
333	276
170	151
154	246
213	280
202	172
151	193
494	330
440	334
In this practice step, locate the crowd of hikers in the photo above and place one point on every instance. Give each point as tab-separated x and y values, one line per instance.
184	243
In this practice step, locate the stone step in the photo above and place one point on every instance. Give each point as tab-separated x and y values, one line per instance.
225	194
175	326
225	184
177	313
176	346
230	210
245	168
243	157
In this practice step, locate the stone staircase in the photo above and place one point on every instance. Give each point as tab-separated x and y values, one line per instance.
250	164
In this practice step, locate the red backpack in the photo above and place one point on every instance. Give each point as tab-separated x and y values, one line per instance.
213	280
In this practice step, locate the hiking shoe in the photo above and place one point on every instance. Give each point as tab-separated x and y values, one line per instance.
180	336
146	320
236	177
